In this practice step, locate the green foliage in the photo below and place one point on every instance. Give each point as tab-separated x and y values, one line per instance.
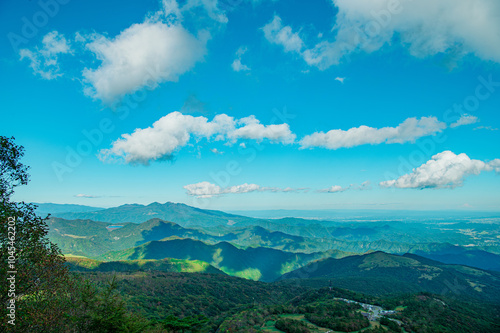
386	274
422	313
391	325
292	326
259	263
426	313
47	297
156	295
41	276
337	316
12	172
82	264
102	310
192	324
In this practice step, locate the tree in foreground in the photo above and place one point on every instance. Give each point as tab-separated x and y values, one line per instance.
41	276
33	274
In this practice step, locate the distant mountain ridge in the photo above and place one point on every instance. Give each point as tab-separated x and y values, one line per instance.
43	209
179	213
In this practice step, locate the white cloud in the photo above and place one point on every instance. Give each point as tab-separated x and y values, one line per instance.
425	27
337	188
367	185
203	190
276	33
44	61
465	119
88	196
143	55
214	11
237	65
208	190
444	170
216	151
334	189
340	79
488	128
175	130
253	129
408	131
495	164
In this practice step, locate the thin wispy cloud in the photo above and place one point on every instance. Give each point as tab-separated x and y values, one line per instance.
209	190
44	61
338	189
465	119
237	65
488	128
88	196
333	189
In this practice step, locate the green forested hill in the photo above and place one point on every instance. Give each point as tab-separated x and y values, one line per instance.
318	311
82	264
93	239
238	305
382	273
89	238
452	240
156	295
260	263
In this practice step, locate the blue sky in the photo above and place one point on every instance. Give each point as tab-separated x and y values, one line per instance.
236	105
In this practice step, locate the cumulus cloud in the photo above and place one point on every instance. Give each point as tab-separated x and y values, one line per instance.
143	55
44	60
175	130
209	190
425	28
465	119
444	170
408	131
237	65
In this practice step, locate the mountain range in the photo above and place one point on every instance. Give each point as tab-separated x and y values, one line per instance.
364	255
432	240
181	214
